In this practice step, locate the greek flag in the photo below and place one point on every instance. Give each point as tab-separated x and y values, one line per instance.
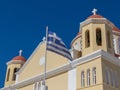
56	45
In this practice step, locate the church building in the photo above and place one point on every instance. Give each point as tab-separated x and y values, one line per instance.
95	63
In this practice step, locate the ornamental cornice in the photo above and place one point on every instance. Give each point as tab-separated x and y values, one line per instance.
97	21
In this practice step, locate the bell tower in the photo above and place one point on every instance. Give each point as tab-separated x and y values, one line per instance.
12	67
96	34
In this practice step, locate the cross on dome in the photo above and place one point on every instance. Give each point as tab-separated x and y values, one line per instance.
20	52
94	11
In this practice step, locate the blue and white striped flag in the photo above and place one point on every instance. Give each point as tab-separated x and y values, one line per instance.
56	45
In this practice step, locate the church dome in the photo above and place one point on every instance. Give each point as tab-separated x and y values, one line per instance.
95	16
21	58
116	29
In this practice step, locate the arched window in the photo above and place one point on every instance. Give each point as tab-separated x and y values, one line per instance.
111	76
109	39
98	37
37	86
87	38
82	79
8	74
107	75
94	75
116	79
14	73
88	77
119	45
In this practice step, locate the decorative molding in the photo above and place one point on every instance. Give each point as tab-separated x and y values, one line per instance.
78	36
38	78
110	58
30	57
15	62
96	20
86	58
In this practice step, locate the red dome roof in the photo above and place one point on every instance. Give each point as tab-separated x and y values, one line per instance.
116	29
78	33
19	58
95	16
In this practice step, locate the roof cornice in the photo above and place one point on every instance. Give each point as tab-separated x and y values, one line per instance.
30	57
96	20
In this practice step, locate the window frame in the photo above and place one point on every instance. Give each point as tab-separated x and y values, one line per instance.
82	79
88	78
87	38
99	37
94	75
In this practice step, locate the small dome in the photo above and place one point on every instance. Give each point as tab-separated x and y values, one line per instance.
21	58
78	33
95	16
116	29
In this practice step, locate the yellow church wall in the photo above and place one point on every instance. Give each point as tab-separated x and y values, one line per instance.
33	67
90	65
59	82
84	49
29	87
94	87
11	67
115	68
93	45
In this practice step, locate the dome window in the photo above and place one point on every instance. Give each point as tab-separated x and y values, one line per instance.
98	37
87	38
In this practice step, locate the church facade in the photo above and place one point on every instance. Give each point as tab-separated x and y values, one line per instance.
95	65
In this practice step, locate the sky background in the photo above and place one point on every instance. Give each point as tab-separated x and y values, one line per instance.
23	22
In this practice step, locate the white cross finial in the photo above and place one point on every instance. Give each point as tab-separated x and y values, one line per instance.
20	52
94	11
44	39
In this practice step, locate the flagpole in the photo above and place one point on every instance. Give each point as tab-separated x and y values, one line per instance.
45	56
44	86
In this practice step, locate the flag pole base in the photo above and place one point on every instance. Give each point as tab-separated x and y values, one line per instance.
44	87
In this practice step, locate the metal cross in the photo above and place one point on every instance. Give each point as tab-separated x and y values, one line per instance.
20	53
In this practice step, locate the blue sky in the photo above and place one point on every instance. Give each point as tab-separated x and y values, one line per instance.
23	22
